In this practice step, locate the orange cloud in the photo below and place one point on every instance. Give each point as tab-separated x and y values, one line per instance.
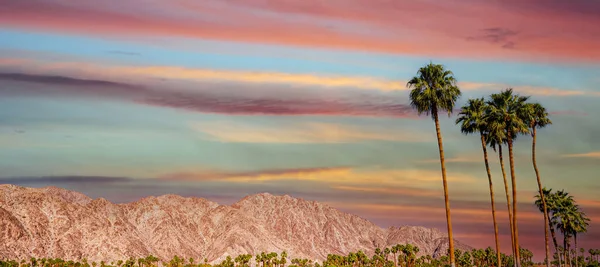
388	190
260	176
589	203
525	89
312	132
334	176
261	77
195	74
593	155
460	159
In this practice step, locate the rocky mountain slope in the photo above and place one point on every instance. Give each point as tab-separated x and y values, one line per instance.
54	222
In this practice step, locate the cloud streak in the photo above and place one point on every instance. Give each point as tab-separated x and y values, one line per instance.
258	176
592	155
347	176
60	80
261	77
495	36
221	98
303	133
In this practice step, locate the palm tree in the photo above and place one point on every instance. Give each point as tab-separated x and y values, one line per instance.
511	109
472	119
581	226
560	200
435	90
496	138
394	251
569	219
566	219
283	259
551	206
537	117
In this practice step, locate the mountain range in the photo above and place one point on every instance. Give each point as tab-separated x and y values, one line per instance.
55	222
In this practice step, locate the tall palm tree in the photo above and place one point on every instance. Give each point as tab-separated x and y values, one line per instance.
434	90
537	117
472	119
512	109
496	138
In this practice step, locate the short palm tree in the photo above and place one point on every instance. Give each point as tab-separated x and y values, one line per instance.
581	227
511	108
566	224
472	119
568	219
562	200
551	207
537	117
434	90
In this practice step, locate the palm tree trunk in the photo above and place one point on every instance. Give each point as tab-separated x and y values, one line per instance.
576	257
565	249
539	182
445	183
569	250
514	193
508	204
554	241
489	174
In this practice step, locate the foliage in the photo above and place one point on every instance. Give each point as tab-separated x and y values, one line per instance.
401	255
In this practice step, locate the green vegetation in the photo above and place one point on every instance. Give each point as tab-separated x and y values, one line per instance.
397	256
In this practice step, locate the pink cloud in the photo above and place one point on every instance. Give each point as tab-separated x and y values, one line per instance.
524	30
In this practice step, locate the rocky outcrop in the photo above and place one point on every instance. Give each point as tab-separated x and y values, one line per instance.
54	222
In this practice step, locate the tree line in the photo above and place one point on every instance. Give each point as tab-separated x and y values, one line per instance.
499	120
401	255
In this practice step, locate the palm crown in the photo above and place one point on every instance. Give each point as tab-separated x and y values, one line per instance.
434	89
510	111
471	117
536	116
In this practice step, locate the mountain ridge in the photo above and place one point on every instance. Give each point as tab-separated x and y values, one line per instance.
56	222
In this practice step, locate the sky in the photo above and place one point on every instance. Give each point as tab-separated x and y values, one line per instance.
225	98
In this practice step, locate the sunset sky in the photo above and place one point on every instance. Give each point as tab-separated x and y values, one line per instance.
224	98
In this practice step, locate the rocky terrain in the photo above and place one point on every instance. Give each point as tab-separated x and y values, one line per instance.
54	222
